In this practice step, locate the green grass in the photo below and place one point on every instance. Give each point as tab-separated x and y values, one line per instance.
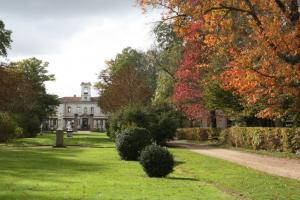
92	170
82	139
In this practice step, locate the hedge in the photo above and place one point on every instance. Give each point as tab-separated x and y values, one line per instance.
257	138
271	139
201	134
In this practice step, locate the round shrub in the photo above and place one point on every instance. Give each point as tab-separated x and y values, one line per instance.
130	142
157	161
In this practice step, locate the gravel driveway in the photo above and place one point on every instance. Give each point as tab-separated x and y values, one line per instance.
277	166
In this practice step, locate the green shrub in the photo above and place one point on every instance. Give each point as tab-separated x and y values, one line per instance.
163	129
271	139
7	127
131	141
200	134
256	138
30	124
157	161
127	117
159	120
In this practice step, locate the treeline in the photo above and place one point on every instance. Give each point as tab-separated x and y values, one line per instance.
169	74
240	56
24	102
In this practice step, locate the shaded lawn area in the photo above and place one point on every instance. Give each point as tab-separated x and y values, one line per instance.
96	172
83	139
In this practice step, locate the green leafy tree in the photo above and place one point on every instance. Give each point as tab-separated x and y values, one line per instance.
35	71
166	58
24	93
5	39
127	80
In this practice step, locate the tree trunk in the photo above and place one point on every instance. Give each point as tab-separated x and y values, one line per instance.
213	119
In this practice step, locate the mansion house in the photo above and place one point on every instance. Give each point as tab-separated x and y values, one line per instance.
82	112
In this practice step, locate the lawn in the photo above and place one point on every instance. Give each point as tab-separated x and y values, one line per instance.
91	169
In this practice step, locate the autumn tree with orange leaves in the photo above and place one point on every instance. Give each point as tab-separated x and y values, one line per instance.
261	42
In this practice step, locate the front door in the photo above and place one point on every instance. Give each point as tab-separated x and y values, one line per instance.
85	123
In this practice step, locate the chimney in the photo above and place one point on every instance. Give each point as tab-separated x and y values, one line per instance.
74	95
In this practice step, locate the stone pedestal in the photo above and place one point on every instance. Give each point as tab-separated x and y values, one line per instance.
59	139
92	122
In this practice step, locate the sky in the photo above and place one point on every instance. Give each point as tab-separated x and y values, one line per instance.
75	36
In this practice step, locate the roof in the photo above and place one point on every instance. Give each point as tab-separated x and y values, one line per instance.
75	99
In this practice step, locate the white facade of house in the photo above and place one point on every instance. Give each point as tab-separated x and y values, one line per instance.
83	112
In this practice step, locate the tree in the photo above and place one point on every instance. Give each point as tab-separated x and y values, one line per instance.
188	92
36	73
16	93
166	58
127	80
261	38
23	93
5	39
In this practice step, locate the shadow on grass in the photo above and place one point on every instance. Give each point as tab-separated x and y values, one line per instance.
178	162
183	178
25	196
44	163
82	140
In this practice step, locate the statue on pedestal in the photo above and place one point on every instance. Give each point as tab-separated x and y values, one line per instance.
60	132
69	129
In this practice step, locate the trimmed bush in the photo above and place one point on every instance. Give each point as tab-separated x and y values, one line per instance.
256	138
131	141
271	139
200	134
157	161
7	127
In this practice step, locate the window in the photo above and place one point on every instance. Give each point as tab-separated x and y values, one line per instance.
78	110
92	110
85	90
85	110
69	109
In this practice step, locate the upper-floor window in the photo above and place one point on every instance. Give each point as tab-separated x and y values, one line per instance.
92	110
78	110
85	110
85	90
69	109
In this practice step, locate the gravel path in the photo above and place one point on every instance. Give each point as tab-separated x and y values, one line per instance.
277	166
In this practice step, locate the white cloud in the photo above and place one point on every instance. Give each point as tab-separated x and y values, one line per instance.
75	40
83	55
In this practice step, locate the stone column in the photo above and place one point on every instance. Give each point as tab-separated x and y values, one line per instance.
91	122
